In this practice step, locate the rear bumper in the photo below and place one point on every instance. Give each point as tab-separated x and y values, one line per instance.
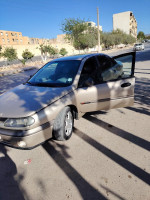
27	139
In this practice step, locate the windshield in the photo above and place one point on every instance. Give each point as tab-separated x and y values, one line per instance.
138	44
56	74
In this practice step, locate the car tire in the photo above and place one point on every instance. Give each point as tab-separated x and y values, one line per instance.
63	125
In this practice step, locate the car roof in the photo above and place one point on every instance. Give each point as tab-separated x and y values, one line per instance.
77	57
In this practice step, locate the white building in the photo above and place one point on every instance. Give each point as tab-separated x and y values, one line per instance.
126	22
93	24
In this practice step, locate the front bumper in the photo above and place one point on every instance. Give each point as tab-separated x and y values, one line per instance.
26	139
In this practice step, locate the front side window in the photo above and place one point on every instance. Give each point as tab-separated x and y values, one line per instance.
56	74
88	73
126	62
113	69
108	69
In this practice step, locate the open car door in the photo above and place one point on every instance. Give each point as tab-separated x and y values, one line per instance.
115	85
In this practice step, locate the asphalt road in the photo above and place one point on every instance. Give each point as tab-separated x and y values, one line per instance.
106	158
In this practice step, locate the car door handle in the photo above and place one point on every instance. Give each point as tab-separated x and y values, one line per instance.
125	85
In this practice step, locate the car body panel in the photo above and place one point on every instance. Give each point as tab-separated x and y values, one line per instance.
25	100
31	140
103	96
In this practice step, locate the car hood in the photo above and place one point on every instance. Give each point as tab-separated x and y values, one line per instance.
25	100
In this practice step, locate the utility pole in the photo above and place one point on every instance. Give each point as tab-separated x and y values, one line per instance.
98	32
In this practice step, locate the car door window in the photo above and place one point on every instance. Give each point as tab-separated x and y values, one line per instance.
88	72
114	69
126	62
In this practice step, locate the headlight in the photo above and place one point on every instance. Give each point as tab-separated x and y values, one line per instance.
20	122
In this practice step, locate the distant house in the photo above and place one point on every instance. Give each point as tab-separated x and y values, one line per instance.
93	24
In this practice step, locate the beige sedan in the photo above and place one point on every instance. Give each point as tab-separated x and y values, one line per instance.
63	90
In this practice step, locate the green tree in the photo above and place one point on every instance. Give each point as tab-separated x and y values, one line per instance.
52	51
73	28
63	51
141	35
26	56
79	33
116	37
44	50
0	51
147	37
108	40
10	53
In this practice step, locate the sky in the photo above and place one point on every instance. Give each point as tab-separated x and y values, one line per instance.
43	18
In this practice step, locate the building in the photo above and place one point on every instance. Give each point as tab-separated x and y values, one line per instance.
126	22
16	38
93	24
12	38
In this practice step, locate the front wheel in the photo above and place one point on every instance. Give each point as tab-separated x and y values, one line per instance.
63	125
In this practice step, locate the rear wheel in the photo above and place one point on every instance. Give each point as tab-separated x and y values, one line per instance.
63	125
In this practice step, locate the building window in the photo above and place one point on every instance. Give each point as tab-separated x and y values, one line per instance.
20	40
16	34
12	34
6	34
13	40
1	33
3	39
8	40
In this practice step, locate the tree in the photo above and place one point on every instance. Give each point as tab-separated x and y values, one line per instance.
0	51
108	39
79	33
52	51
10	53
73	28
147	37
44	50
117	37
26	56
141	35
63	51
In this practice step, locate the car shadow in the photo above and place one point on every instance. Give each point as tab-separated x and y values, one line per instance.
9	188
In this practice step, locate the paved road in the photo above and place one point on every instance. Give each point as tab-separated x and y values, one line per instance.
106	158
